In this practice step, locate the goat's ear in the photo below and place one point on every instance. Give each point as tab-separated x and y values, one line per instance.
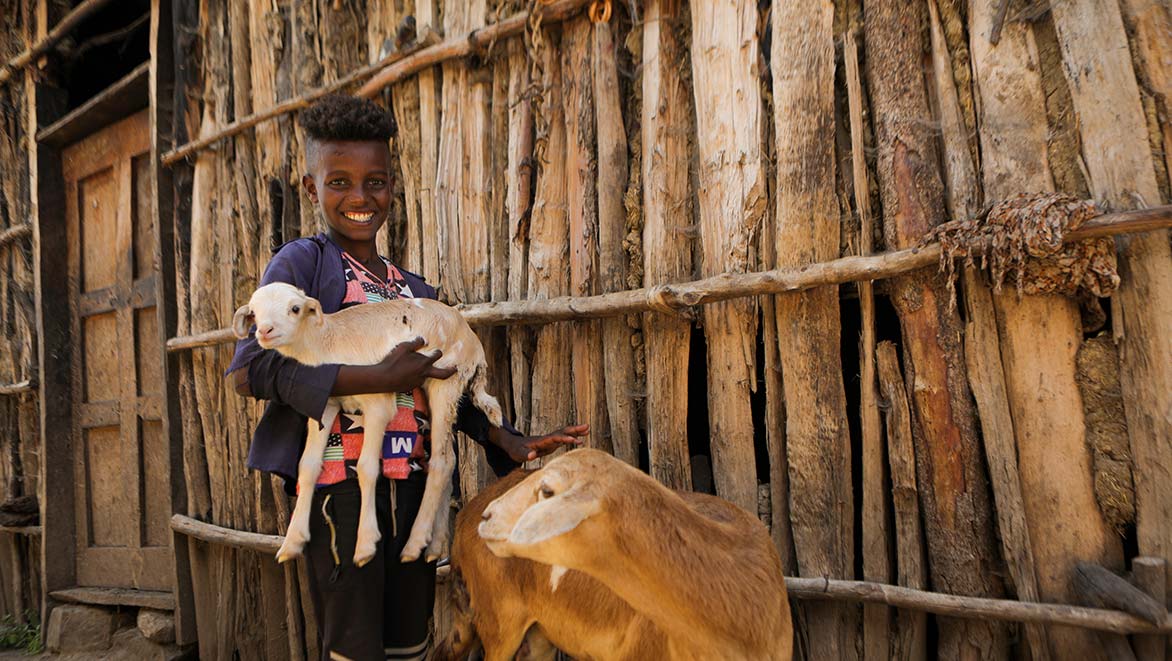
549	518
313	310
241	321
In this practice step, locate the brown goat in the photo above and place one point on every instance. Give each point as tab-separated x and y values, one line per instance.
497	600
702	569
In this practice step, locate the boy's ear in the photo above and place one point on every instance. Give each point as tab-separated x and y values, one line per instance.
310	187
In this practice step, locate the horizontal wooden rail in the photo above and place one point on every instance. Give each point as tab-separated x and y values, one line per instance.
27	531
677	297
18	388
16	232
63	27
464	46
387	71
818	589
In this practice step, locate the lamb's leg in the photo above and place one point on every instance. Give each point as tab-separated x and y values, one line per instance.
375	420
308	470
437	493
440	531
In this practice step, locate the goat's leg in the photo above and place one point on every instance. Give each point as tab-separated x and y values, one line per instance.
308	470
375	420
438	491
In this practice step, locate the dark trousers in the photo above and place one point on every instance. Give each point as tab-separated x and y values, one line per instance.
383	609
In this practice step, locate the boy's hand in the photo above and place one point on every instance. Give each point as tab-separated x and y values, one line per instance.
404	369
528	448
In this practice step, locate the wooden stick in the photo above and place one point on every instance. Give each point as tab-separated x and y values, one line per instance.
30	531
876	565
816	588
17	388
998	22
727	286
15	232
63	27
1150	577
464	46
296	103
972	607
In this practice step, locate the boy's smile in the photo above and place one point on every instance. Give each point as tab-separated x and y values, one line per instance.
349	181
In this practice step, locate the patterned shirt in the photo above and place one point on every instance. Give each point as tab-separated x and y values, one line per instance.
405	440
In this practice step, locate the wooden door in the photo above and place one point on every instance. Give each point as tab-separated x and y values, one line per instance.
120	454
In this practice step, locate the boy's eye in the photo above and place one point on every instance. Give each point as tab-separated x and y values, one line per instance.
337	182
377	183
296	309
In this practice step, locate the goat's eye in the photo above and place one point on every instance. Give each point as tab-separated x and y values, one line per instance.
296	309
546	492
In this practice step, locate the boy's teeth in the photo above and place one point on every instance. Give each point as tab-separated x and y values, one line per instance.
358	217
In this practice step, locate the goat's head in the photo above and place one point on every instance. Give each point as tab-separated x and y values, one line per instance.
532	519
278	310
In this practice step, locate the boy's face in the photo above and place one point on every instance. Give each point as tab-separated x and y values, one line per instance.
350	181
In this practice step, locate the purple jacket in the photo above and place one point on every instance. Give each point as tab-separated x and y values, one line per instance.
296	392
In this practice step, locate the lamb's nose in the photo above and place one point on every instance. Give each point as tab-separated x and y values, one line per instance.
265	331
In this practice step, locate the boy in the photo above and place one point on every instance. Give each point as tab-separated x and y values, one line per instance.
380	610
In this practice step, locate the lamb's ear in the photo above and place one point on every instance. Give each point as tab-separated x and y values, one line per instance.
241	321
313	310
549	518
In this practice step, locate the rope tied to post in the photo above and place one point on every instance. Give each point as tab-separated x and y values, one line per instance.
1021	239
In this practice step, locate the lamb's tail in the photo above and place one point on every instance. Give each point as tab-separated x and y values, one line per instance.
482	400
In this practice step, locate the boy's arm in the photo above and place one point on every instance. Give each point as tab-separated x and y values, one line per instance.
505	448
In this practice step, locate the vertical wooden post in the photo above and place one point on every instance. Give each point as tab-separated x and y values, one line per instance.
876	563
1150	576
910	641
548	247
582	209
425	19
1121	167
1039	336
732	205
954	495
667	251
618	359
817	436
519	180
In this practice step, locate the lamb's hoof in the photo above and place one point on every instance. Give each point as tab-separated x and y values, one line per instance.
435	550
365	547
412	550
290	550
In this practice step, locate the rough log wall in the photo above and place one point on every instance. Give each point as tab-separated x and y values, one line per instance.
611	206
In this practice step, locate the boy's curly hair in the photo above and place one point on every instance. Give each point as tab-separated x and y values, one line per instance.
343	117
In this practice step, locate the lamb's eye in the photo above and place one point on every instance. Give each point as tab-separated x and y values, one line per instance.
296	309
546	492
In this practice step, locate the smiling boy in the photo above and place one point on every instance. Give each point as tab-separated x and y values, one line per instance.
380	610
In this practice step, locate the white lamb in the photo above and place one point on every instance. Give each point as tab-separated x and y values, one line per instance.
293	324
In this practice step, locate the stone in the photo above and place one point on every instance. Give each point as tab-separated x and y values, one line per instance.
131	645
76	628
156	626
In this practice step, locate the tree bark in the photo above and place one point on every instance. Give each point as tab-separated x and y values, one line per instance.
952	483
817	438
667	250
1111	122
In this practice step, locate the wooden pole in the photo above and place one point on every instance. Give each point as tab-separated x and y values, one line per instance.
667	249
464	46
519	180
910	640
1106	99
876	563
680	296
15	233
953	488
807	231
732	205
582	208
47	42
1047	470
618	358
815	588
18	388
1150	577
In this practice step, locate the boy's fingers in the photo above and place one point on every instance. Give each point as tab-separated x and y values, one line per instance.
440	372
